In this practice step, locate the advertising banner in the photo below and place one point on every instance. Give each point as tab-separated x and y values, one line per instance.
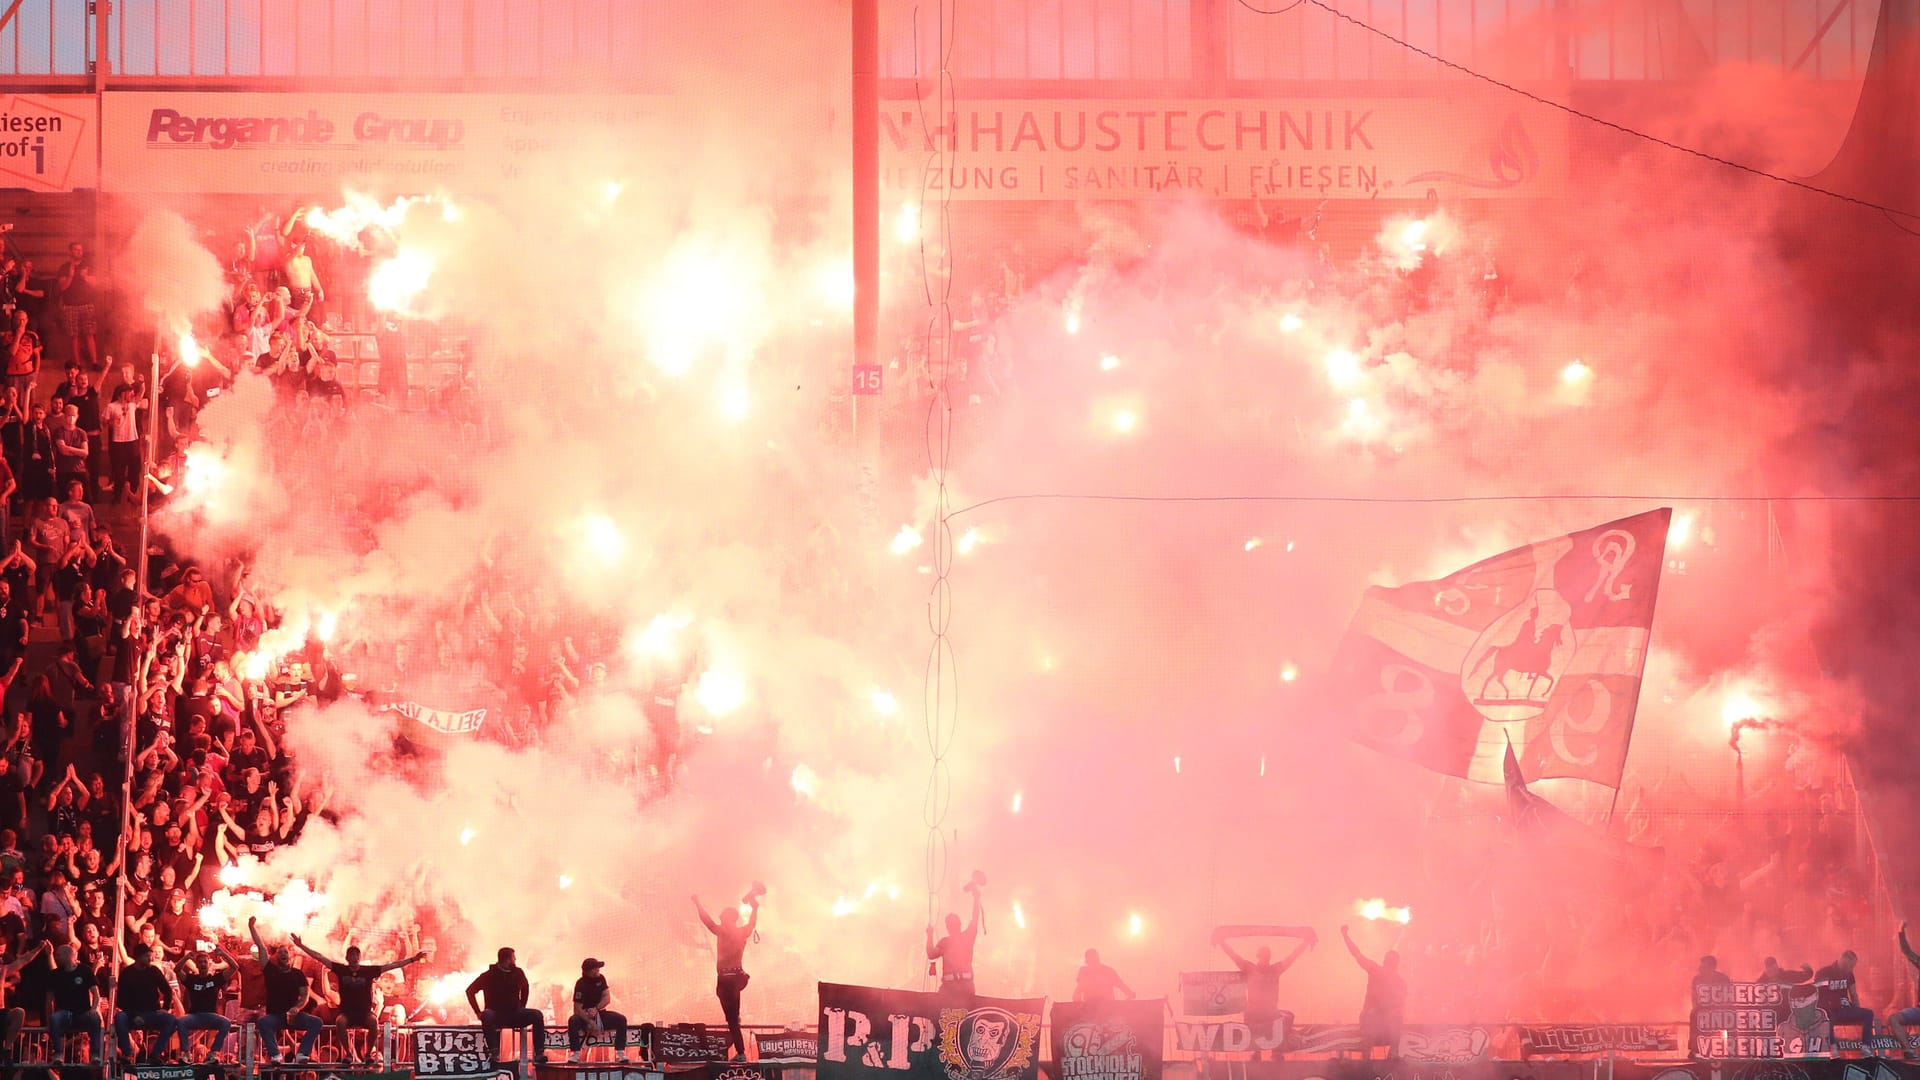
48	142
1309	147
1334	147
382	144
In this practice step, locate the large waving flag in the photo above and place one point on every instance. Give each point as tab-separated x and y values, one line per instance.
1543	644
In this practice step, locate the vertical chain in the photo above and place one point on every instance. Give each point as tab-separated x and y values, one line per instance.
940	686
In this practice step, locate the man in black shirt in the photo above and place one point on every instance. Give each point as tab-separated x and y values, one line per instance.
146	1001
179	928
505	986
203	982
355	981
287	995
1385	1005
1263	980
1098	982
73	1004
1840	999
1771	972
590	1013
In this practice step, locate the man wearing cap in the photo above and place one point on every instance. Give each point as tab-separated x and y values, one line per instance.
506	988
591	1017
355	981
146	1001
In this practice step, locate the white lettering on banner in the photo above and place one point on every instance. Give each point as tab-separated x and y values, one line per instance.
844	1028
452	1052
447	723
383	144
1230	1037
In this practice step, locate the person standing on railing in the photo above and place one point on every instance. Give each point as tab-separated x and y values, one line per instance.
1383	1010
955	950
729	958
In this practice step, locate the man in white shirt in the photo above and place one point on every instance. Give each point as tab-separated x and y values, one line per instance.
122	419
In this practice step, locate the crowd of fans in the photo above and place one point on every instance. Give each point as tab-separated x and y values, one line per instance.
93	668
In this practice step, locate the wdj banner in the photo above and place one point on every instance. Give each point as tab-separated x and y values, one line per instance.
1571	1040
1213	993
870	1034
1108	1040
1205	1038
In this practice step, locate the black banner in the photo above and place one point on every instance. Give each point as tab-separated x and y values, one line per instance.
459	1053
687	1044
163	1072
1108	1040
786	1046
1750	1021
1558	1040
869	1034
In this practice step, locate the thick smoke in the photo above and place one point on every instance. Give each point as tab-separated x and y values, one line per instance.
649	472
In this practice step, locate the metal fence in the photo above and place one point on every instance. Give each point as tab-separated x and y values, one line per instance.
424	42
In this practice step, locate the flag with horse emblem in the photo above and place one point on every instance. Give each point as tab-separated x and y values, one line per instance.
1543	644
